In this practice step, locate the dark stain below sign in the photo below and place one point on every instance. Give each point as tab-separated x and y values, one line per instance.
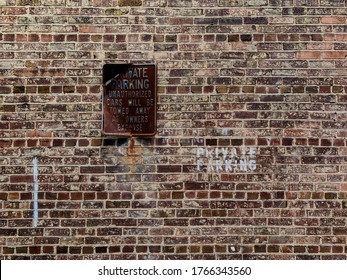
129	99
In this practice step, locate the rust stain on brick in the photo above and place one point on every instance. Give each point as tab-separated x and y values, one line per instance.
131	148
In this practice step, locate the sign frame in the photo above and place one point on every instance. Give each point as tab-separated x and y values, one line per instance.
129	100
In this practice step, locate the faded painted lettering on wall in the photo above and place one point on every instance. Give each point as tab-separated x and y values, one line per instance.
226	159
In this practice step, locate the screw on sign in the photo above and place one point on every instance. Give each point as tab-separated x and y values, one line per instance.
129	99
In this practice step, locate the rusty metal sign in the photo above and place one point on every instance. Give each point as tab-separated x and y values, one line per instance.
129	99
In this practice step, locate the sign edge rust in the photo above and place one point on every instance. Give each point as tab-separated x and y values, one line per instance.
107	78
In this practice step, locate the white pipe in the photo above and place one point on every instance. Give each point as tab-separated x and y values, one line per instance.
110	80
36	189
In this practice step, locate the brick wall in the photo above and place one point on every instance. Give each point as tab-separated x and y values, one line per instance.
250	157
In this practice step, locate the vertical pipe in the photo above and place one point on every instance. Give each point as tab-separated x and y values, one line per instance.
36	189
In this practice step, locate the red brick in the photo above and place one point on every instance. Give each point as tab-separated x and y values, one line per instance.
130	3
21	179
308	55
92	169
169	168
334	55
333	20
278	89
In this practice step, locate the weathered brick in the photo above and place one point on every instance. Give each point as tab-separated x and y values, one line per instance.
129	2
250	146
333	20
255	20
